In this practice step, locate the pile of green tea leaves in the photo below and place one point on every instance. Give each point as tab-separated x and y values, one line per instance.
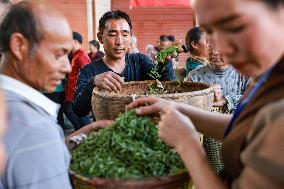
129	149
168	51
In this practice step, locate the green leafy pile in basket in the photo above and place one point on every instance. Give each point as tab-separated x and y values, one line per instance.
129	149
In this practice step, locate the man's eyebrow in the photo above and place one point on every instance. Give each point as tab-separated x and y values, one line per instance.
126	31
112	31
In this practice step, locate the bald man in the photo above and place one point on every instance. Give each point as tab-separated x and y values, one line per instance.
35	41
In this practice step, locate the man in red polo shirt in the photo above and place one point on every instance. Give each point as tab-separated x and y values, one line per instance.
79	59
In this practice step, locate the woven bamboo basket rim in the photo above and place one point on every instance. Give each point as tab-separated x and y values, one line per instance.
148	181
207	89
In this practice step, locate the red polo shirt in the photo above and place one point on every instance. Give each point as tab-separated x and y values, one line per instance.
80	59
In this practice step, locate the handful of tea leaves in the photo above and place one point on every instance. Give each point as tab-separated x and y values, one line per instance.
129	149
166	52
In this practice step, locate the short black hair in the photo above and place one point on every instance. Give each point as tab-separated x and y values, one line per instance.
116	14
77	36
172	38
95	43
20	18
193	35
164	38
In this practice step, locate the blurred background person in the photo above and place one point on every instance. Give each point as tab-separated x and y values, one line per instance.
151	51
58	96
95	52
197	45
79	60
133	46
163	42
172	38
229	86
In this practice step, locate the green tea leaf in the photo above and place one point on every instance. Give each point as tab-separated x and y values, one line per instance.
129	149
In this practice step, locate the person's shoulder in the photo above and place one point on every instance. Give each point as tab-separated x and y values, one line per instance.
138	58
21	108
268	121
83	56
136	55
25	131
94	64
101	54
274	110
198	73
264	150
200	69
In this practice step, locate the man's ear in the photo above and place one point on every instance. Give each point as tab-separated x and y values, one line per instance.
19	45
100	37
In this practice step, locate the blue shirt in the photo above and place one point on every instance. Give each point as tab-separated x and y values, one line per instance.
37	155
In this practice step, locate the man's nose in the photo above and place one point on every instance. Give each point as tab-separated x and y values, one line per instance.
119	39
66	66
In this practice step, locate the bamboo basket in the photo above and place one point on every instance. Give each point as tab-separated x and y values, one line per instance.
213	147
179	181
108	105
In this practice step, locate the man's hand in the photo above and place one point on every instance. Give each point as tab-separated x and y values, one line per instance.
101	124
88	129
109	81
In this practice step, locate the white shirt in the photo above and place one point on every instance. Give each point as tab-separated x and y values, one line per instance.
16	86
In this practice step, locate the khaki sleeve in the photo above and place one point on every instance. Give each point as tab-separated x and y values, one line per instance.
263	158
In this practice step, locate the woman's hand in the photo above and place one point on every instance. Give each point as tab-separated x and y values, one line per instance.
152	105
176	129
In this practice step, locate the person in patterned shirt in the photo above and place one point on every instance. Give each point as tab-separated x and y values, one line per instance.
229	85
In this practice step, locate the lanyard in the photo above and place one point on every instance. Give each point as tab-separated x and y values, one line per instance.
242	105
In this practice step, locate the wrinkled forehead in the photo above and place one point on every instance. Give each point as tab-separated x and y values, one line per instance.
55	24
117	25
56	31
